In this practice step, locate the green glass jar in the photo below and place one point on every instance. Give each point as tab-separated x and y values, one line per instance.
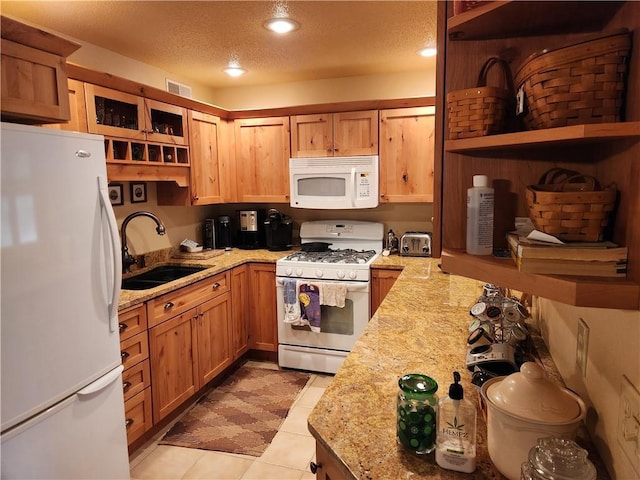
416	421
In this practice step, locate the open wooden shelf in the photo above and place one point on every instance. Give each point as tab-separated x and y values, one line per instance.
549	137
524	18
573	290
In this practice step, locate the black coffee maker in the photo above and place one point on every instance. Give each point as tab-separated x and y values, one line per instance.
278	228
224	232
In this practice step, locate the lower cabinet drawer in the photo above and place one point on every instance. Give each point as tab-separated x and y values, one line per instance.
135	349
136	379
137	414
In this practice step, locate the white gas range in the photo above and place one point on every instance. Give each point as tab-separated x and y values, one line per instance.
342	267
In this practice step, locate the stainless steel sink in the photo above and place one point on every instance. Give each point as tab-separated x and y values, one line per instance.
158	276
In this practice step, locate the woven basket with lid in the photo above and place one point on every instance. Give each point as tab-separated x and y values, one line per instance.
576	84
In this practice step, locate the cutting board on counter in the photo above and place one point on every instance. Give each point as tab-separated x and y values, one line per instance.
203	255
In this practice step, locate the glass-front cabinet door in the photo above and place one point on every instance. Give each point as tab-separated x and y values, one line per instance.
119	114
114	113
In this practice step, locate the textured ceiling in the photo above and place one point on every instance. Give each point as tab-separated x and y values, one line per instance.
197	39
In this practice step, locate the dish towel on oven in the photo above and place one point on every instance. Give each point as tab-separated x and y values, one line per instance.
291	302
310	305
333	294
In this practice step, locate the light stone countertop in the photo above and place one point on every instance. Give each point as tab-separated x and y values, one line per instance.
221	262
420	327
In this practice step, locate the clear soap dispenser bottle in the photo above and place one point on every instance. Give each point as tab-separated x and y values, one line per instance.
456	430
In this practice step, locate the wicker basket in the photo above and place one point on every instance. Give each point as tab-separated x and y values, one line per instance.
479	111
576	84
566	211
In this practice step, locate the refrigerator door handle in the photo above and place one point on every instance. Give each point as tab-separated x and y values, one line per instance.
115	250
102	383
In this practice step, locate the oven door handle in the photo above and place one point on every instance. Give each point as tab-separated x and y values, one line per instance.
351	286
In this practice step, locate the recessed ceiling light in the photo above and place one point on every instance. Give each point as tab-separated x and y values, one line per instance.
428	52
281	25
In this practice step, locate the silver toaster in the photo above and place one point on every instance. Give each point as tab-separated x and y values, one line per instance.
415	244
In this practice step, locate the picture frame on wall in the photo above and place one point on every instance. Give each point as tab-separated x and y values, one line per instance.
138	192
115	194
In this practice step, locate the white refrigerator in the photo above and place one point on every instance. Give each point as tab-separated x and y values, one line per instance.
62	409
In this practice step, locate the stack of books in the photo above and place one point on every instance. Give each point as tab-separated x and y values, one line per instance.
599	259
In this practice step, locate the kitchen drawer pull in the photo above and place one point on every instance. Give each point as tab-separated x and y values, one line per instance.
124	355
313	466
128	422
168	306
123	326
126	386
216	286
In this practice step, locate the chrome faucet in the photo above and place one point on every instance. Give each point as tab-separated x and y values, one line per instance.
127	258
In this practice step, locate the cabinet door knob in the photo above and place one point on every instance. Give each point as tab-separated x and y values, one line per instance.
313	466
122	326
128	422
124	355
216	286
126	386
168	306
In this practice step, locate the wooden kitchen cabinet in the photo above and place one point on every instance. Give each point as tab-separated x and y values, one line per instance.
326	468
240	296
213	330
514	160
262	159
77	110
407	148
263	325
34	74
174	371
190	341
334	134
136	377
207	176
382	280
119	114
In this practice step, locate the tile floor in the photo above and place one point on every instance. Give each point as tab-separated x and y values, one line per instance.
287	457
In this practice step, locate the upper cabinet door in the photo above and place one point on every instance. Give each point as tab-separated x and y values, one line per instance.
407	154
165	123
334	134
355	133
206	174
77	110
311	135
119	114
114	113
262	159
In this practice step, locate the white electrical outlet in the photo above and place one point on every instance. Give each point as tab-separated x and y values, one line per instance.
582	345
629	423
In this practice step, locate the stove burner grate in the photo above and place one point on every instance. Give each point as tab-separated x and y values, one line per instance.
344	256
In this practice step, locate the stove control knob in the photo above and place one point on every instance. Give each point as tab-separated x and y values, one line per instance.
288	272
341	274
319	273
299	272
353	275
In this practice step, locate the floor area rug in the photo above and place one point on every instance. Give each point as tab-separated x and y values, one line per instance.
241	415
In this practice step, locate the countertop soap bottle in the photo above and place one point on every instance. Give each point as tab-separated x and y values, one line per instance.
456	430
480	217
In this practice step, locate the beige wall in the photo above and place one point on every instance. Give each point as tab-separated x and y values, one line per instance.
613	351
186	222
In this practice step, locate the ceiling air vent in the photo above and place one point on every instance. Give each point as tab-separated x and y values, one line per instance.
178	88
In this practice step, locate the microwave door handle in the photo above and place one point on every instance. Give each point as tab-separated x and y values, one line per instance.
353	186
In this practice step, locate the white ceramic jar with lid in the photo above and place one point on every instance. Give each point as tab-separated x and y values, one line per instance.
523	407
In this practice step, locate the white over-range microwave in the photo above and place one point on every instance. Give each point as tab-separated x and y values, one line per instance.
334	182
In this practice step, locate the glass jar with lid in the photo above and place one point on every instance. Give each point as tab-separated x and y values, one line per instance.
557	459
416	412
